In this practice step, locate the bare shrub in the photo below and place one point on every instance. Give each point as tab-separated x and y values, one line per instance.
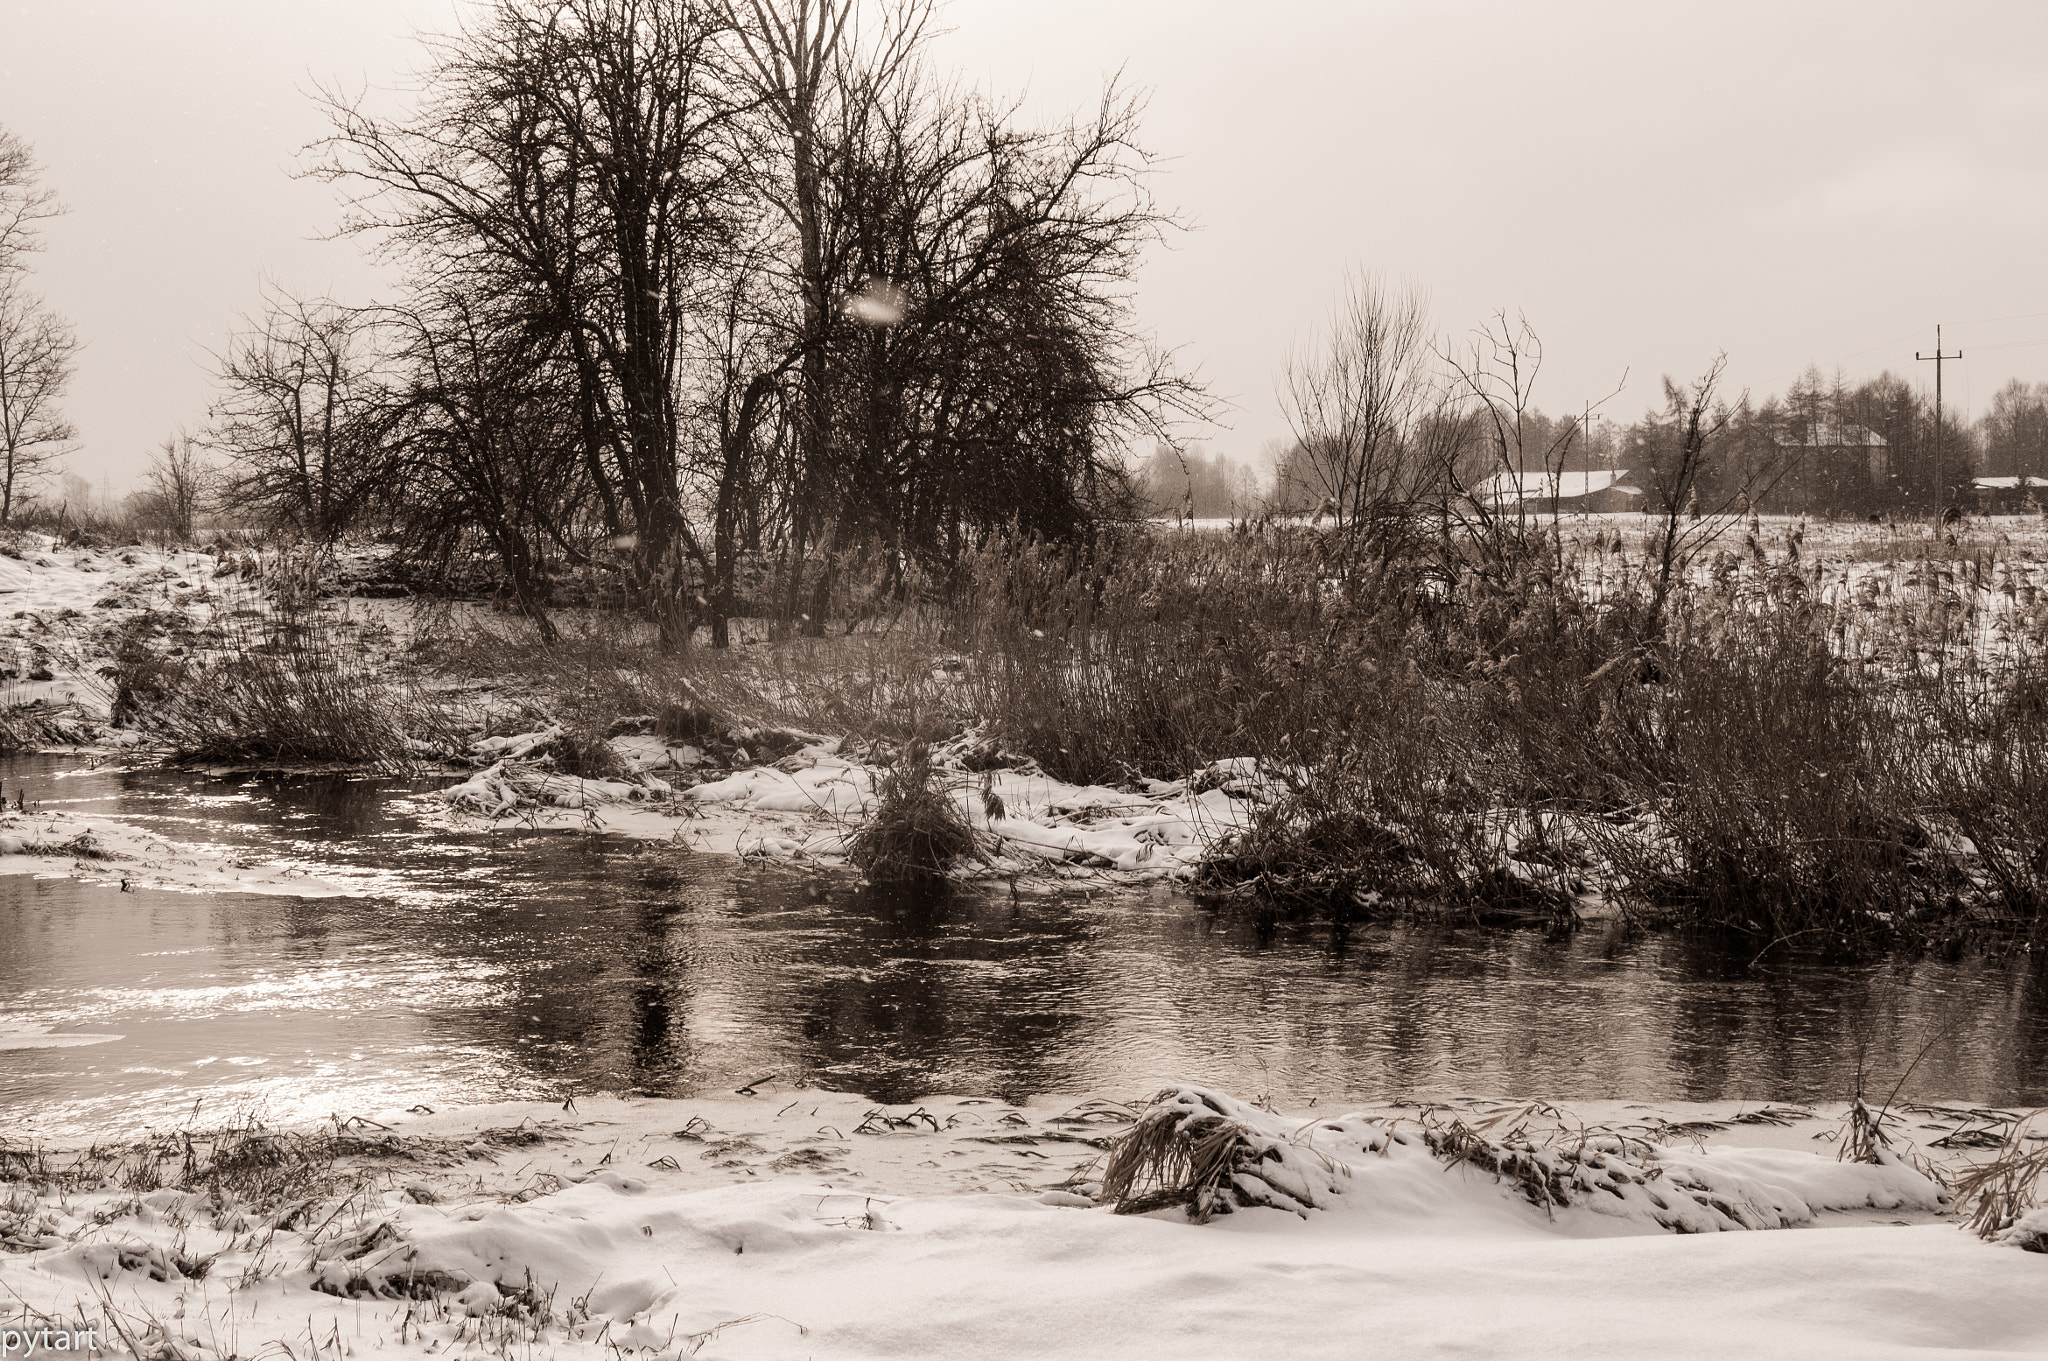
1991	779
915	833
290	687
1768	784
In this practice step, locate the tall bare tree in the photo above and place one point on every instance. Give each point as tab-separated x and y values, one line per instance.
297	416
23	202
36	349
570	163
760	284
175	485
36	345
1353	396
811	82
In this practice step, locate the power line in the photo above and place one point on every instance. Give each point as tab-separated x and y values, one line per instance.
1984	321
1887	344
2011	344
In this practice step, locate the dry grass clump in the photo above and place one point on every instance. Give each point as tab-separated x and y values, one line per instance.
1202	1151
41	725
246	1165
1865	1137
1994	1196
1154	655
1763	794
607	674
915	833
292	687
1991	781
1546	1178
1615	1170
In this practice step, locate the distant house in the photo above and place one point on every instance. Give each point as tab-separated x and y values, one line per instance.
1829	467
2009	495
1601	489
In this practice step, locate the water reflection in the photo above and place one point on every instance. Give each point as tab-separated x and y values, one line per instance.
518	965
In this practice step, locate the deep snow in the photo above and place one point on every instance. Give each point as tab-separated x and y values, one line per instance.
807	1224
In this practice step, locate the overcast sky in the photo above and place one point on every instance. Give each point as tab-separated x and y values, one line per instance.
1648	182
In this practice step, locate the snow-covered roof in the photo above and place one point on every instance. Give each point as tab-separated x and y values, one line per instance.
1830	435
1546	486
2009	483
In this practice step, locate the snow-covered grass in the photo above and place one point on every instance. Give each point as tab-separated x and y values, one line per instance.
1801	743
807	1224
1146	718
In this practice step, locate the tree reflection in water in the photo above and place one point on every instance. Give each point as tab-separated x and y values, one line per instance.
517	964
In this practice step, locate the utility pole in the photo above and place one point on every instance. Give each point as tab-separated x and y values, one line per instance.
1940	492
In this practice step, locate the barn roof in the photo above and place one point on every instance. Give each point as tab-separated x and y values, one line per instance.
1503	488
1831	435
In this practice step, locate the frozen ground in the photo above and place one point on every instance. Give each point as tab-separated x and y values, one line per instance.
813	1225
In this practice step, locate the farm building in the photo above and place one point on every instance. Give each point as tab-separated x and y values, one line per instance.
1547	493
2010	495
1829	468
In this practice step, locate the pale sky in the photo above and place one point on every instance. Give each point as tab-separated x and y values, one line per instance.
1648	182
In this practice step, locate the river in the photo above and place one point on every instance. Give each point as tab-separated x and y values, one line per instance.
513	964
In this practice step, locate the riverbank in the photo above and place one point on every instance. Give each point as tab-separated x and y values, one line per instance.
808	1224
1832	740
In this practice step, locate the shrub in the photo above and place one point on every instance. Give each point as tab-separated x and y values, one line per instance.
915	833
289	688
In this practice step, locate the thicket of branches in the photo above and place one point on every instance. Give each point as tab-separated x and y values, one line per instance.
688	285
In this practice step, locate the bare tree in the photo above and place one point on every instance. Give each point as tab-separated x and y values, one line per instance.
297	417
757	284
23	203
1352	396
36	345
2015	430
1693	423
569	165
175	485
1495	448
485	444
803	71
36	349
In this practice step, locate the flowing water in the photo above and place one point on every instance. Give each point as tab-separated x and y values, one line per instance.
492	966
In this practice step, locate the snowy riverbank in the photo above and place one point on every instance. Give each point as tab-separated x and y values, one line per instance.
810	1224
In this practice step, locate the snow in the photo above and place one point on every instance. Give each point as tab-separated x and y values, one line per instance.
1509	488
812	1224
809	1224
104	850
808	804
